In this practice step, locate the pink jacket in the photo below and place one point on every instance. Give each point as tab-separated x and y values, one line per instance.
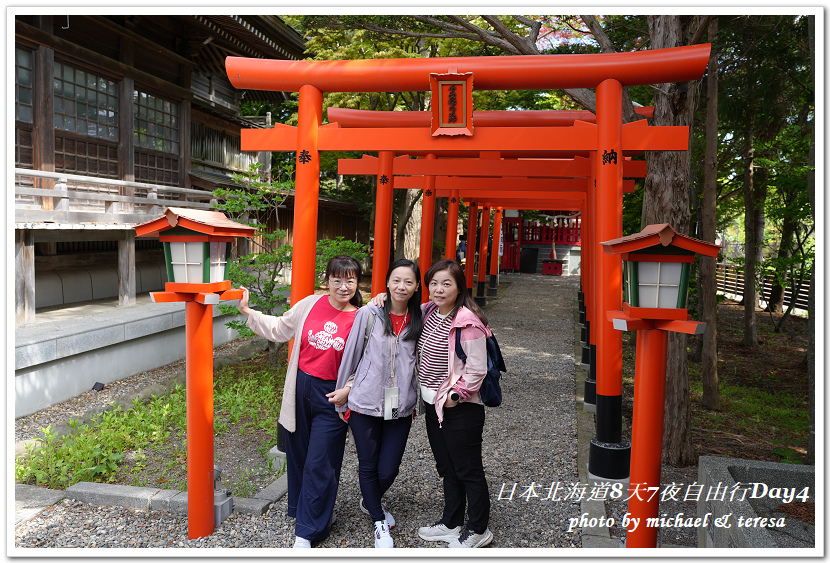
464	379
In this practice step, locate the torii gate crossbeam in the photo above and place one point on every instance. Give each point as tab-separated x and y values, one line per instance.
522	72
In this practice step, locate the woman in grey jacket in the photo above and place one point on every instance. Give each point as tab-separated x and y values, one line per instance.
376	388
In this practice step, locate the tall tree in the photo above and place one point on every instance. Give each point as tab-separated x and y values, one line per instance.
811	192
666	200
707	287
764	81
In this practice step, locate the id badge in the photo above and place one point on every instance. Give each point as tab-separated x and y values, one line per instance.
390	403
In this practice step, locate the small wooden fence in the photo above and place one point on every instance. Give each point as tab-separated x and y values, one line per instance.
731	281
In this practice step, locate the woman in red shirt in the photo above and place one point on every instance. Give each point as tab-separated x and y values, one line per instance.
315	434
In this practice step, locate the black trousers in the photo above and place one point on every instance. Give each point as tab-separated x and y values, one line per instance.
456	446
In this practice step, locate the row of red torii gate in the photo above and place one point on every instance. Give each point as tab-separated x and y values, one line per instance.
493	161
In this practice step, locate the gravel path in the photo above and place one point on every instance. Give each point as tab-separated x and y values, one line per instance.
530	442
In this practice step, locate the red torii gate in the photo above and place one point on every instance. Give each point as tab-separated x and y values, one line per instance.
607	139
490	164
447	175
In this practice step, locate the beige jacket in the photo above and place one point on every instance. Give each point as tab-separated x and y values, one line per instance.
283	329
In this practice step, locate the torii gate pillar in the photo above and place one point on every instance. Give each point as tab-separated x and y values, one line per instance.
383	221
588	261
452	227
427	226
306	195
471	246
480	298
492	291
609	457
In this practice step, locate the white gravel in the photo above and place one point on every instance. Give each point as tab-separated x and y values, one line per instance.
530	439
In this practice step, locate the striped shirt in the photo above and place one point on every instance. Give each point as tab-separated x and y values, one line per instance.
433	354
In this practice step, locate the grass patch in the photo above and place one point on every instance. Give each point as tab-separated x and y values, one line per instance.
122	446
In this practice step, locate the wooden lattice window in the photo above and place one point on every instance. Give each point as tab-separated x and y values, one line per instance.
85	156
85	103
23	147
154	167
156	123
23	85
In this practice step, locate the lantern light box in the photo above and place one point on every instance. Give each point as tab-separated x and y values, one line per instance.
656	264
197	246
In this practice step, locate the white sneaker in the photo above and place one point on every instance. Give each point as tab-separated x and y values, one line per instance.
301	542
382	536
471	539
386	514
439	532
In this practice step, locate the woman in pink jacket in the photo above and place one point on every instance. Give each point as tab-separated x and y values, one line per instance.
454	411
453	407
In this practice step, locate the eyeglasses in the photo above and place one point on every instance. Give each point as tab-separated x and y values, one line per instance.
350	283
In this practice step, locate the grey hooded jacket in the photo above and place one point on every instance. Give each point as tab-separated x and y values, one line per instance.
372	367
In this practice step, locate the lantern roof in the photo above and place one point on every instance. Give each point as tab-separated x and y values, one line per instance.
206	222
663	235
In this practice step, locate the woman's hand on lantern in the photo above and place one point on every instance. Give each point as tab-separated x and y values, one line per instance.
242	306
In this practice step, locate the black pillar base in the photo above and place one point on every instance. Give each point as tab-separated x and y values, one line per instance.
589	402
609	457
608	460
480	299
609	418
590	394
586	355
492	290
470	291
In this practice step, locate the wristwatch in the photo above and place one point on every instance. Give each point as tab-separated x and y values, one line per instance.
454	396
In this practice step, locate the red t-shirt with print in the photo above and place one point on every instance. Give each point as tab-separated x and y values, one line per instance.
324	337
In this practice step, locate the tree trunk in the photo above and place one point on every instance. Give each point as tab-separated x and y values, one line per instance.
412	231
776	300
403	232
440	231
707	288
811	303
666	200
750	233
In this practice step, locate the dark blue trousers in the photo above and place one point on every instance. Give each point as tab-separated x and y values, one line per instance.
380	445
314	454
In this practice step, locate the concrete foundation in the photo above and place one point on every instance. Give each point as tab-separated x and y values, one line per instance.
67	351
737	491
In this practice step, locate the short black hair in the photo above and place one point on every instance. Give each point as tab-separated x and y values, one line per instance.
342	266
